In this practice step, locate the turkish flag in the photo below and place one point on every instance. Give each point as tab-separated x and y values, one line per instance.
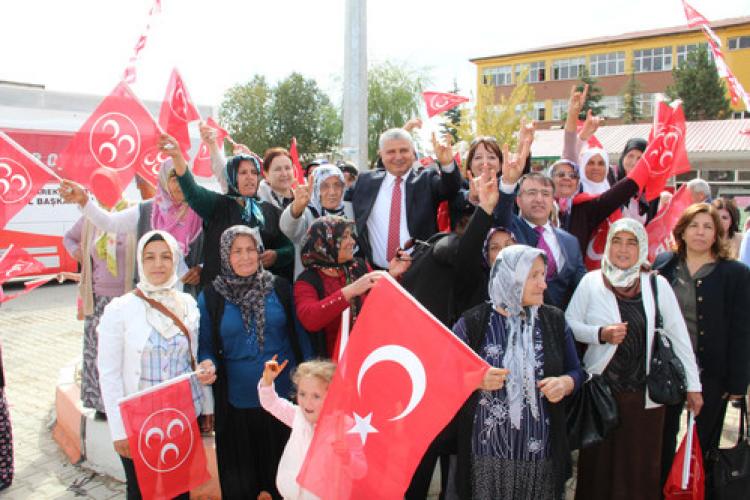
299	174
177	110
118	137
666	154
18	262
401	379
439	102
694	18
686	480
202	162
164	439
659	230
21	177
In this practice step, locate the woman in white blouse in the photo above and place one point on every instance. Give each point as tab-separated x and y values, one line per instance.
140	347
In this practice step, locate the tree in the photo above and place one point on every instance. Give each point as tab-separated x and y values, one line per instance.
245	113
697	83
500	120
394	96
631	112
592	98
453	117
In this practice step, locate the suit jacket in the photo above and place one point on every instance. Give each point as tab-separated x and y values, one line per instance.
423	193
561	287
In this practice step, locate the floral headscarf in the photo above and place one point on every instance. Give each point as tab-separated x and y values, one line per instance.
320	174
252	214
587	185
178	219
246	292
507	281
625	278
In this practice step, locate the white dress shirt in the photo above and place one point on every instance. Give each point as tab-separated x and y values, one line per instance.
554	245
378	222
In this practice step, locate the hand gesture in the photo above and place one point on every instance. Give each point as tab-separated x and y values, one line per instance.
170	147
473	193
412	124
271	370
556	388
590	126
487	189
206	372
443	149
526	136
494	379
615	333
577	100
208	134
513	164
302	196
362	285
399	264
72	192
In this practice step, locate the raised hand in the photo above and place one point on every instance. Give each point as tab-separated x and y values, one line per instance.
590	126
302	196
412	124
526	136
272	369
487	190
443	149
577	100
513	164
473	193
72	192
208	134
170	147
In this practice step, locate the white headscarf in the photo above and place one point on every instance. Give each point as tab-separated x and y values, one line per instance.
623	278
507	281
320	174
587	184
166	293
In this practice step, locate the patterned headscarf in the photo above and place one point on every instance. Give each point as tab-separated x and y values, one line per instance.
252	214
625	278
178	219
320	174
320	250
587	185
246	292
507	281
486	245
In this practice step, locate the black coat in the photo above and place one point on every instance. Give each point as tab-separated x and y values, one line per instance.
723	308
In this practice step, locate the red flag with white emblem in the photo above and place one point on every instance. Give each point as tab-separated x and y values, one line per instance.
18	262
666	154
21	177
440	102
164	439
118	137
202	162
177	110
401	379
659	230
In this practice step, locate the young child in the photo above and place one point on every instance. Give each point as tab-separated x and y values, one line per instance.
311	379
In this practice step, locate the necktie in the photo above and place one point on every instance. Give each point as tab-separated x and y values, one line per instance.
542	245
394	221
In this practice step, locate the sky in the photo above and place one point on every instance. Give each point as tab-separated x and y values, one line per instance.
84	45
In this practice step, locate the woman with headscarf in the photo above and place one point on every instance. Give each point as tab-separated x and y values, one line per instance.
247	318
239	206
333	280
323	196
612	311
167	211
512	439
140	346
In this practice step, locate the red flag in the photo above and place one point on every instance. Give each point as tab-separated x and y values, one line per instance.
21	177
129	74
439	102
164	439
694	18
402	377
686	480
177	110
17	262
299	174
202	162
666	154
27	287
115	141
659	230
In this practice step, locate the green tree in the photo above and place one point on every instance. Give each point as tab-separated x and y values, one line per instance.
245	113
631	112
394	96
593	97
697	83
452	117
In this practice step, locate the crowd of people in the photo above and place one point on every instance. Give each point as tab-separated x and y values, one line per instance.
255	280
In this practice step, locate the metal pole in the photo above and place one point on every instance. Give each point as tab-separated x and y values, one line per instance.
354	146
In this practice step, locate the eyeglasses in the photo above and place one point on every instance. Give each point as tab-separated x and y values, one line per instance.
569	175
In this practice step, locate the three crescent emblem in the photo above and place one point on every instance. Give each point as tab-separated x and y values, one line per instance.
114	141
165	440
153	160
15	181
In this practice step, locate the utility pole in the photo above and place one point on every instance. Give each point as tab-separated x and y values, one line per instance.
354	146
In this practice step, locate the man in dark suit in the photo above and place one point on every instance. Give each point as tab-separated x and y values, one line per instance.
396	204
532	227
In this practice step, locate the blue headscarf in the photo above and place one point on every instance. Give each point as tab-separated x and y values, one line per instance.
252	214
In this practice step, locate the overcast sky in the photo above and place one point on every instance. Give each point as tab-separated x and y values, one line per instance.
83	45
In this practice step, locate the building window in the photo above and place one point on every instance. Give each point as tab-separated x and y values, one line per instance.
683	51
740	42
559	108
607	64
539	111
687	176
719	175
537	72
647	60
612	106
567	69
739	115
497	76
647	104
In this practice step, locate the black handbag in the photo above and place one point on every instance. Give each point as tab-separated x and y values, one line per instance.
666	376
728	470
591	413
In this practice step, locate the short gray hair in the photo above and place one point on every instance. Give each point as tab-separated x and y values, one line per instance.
700	186
394	134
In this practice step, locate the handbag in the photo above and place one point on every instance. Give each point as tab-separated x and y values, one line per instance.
728	470
591	413
666	377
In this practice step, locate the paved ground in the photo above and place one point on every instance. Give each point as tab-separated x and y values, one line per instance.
39	335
